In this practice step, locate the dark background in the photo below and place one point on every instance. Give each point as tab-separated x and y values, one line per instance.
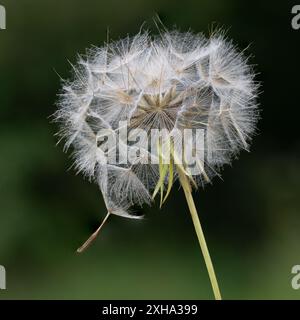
251	219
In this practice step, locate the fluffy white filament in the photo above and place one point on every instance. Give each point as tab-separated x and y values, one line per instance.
176	80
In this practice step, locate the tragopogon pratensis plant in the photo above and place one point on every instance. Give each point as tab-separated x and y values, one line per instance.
171	83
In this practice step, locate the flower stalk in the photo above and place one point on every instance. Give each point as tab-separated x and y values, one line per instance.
185	180
201	238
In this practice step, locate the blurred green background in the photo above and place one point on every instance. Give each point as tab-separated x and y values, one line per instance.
251	219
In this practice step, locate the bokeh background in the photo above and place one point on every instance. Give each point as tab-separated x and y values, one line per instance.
251	218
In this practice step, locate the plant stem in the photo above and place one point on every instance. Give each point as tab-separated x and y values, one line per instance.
190	201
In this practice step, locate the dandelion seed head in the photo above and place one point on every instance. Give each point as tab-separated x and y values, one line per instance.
172	81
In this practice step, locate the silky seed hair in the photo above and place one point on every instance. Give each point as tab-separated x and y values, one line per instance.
172	81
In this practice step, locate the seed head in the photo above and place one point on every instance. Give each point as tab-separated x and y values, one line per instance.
175	81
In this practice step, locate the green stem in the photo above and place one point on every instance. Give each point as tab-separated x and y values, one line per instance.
190	201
